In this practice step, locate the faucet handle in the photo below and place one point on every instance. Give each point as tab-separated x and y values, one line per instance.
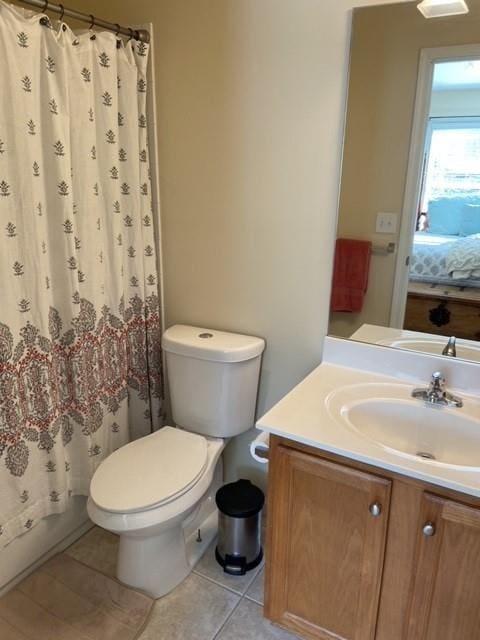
438	380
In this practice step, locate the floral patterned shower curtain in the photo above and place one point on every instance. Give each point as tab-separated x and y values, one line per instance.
80	362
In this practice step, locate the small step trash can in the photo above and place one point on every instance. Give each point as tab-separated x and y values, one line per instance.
239	547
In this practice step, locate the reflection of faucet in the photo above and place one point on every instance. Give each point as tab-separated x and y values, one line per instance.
450	349
436	393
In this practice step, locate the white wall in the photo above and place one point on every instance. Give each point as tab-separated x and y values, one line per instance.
251	108
251	98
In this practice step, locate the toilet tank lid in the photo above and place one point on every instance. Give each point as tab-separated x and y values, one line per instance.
210	344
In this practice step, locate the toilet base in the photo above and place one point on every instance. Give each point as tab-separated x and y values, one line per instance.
156	564
139	564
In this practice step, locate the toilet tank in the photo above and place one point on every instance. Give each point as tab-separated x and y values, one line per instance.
213	379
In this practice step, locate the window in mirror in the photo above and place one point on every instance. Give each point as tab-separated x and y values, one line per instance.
452	167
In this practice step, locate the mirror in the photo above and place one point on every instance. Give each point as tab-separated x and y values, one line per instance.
409	207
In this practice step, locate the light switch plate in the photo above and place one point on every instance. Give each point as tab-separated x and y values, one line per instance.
386	223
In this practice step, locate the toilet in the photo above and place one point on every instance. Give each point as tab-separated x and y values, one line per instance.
158	493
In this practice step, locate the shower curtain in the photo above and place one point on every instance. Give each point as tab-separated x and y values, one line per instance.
80	361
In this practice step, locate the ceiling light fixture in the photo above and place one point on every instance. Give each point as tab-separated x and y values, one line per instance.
442	8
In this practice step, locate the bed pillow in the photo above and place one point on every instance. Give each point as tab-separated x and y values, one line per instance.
470	220
444	216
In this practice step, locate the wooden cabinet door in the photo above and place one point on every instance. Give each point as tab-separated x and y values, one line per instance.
326	549
445	602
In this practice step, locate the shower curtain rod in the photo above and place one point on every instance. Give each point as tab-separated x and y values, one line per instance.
44	5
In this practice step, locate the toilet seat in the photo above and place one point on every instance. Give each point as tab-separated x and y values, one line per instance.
149	472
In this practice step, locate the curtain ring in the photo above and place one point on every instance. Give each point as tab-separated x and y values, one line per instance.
63	12
117	32
44	20
91	25
131	34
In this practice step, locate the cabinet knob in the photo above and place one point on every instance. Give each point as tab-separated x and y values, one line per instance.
375	509
429	529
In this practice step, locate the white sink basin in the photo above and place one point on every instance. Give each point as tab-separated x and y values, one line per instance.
465	351
387	415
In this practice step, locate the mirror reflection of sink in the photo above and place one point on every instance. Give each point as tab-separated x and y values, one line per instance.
435	347
416	341
387	415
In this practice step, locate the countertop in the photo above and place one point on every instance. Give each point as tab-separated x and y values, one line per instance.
303	416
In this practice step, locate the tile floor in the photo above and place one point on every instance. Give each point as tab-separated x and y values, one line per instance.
208	605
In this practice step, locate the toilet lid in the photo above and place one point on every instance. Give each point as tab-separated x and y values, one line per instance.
149	471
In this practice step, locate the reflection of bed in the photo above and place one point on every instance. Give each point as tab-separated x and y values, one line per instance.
444	290
430	256
437	302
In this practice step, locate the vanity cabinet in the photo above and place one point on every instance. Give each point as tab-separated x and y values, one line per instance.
327	552
356	553
445	599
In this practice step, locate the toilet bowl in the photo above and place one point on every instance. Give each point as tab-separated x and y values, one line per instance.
158	492
164	513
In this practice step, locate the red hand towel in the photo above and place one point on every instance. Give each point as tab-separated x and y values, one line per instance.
350	274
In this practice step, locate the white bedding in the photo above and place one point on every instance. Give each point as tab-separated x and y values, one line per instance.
463	258
431	259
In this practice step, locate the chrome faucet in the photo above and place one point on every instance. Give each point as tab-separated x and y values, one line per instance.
437	394
450	348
